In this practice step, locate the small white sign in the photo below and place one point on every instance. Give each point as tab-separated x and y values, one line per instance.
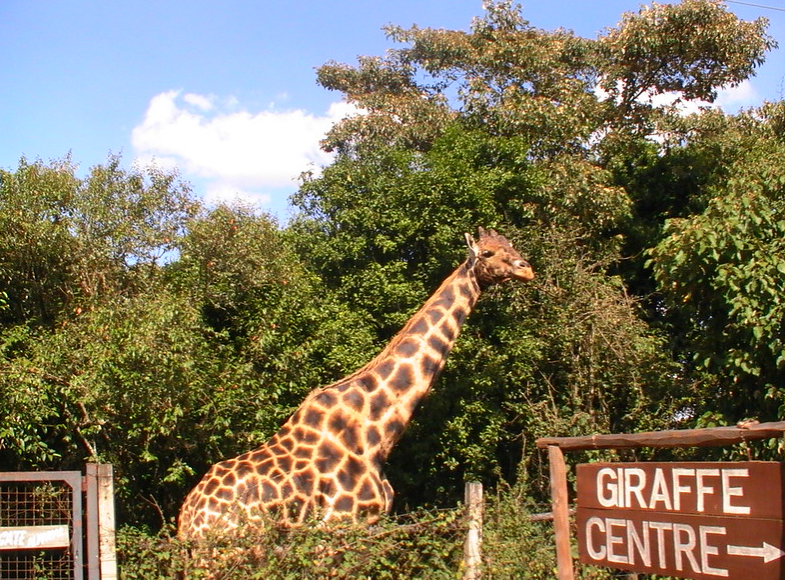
32	537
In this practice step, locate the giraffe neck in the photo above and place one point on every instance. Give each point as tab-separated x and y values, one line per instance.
411	362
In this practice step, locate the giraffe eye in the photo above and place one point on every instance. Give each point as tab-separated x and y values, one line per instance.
487	254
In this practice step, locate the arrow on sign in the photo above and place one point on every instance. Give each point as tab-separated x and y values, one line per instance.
767	552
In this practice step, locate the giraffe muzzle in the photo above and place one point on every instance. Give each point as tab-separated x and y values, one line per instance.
523	271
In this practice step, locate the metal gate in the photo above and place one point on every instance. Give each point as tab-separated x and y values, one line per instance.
49	525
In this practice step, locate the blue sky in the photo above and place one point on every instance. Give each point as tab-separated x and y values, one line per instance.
226	91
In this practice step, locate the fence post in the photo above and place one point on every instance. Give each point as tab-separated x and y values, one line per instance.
472	547
561	513
93	514
106	522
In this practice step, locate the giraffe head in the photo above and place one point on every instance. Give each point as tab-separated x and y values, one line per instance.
494	260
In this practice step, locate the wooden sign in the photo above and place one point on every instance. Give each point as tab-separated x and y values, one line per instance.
34	537
691	520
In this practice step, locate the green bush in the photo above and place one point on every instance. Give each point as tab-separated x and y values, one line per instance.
426	544
516	547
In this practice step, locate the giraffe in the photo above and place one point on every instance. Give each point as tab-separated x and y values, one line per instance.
326	461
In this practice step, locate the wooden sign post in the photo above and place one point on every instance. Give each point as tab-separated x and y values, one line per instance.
691	520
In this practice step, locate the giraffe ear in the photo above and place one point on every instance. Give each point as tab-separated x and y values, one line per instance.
473	249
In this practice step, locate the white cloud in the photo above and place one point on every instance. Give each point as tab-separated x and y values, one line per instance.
216	192
199	101
237	153
731	99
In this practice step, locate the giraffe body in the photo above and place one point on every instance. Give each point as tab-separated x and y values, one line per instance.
326	461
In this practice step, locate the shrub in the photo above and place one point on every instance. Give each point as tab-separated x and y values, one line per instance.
425	544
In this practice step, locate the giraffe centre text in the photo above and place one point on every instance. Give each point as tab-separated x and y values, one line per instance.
691	520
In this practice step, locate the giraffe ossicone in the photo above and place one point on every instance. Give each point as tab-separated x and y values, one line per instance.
326	460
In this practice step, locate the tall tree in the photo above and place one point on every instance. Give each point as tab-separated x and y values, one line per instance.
144	330
722	270
521	129
66	242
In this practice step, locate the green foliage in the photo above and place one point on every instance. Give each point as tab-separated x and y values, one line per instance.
553	342
141	328
200	334
722	271
68	242
37	248
61	258
571	353
693	48
426	544
518	545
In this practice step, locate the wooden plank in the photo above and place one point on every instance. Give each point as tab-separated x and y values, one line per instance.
675	438
745	488
77	529
561	516
682	545
91	522
106	522
71	477
34	537
472	548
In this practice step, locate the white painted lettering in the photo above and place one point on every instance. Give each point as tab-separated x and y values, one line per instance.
607	490
634	488
678	489
12	538
660	528
673	489
707	550
684	543
729	491
659	492
612	541
650	544
33	537
600	552
642	544
701	488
